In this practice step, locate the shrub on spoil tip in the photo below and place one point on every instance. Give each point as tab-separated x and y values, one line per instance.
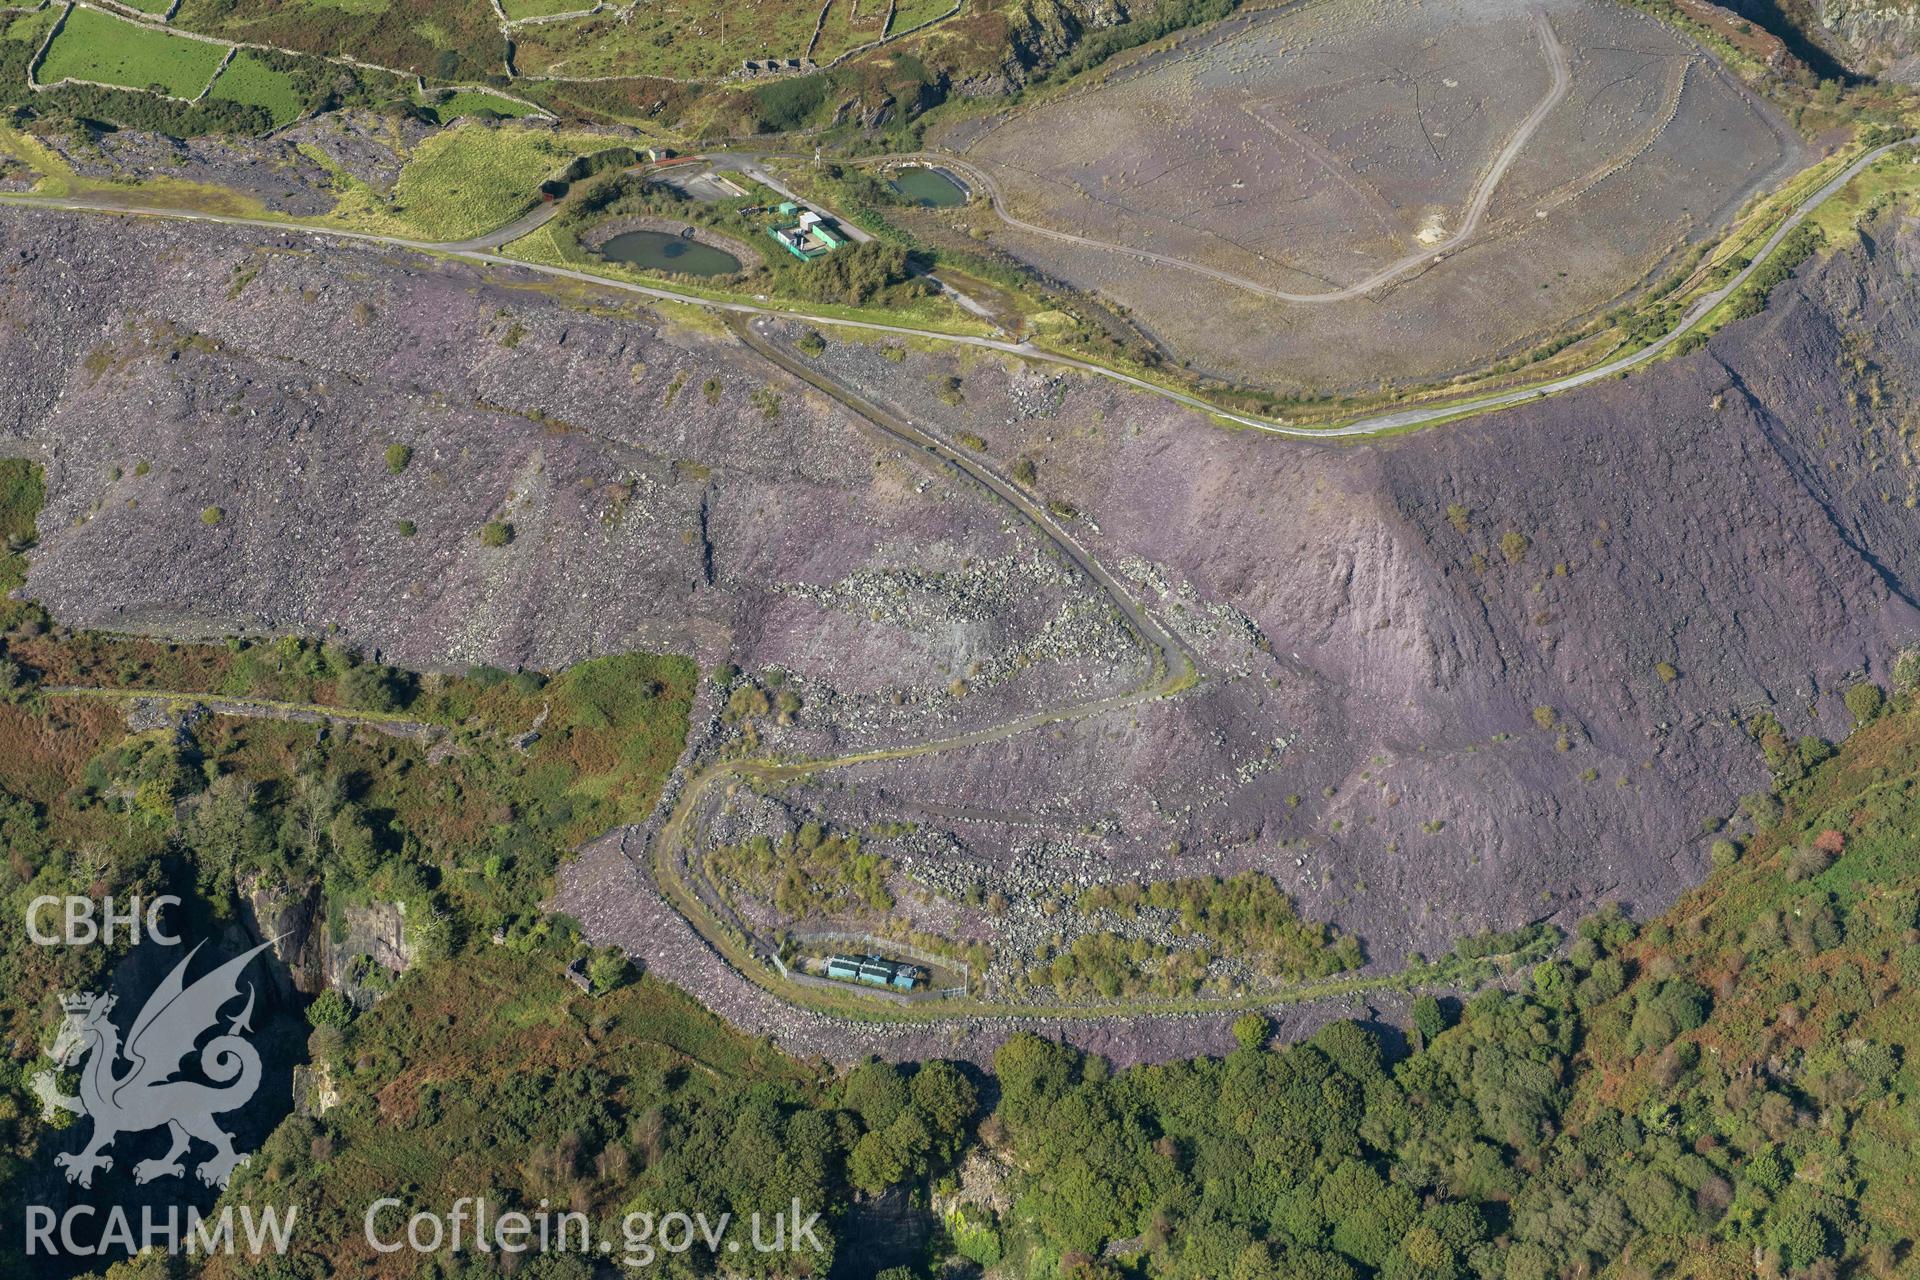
1865	702
1807	862
1251	1030
1906	671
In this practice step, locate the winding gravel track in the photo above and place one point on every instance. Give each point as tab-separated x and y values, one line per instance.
1376	424
1175	667
1426	254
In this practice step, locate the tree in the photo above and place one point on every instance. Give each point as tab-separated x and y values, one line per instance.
876	1092
317	796
875	1163
1033	1073
947	1101
224	831
607	970
371	687
788	103
23	829
1251	1030
855	273
367	687
1797	1233
355	849
1351	1050
1369	1215
1864	702
329	1009
1428	1019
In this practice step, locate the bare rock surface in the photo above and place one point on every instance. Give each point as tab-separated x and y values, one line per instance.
272	171
1485	674
369	147
215	408
1488	673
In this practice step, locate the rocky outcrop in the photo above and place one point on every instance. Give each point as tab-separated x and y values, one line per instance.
1757	42
314	1091
318	948
1872	37
1038	34
294	919
370	948
1878	38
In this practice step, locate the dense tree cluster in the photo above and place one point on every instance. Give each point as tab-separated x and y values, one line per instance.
1723	1092
857	274
1465	1158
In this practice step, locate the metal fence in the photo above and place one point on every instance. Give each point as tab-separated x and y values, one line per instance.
875	943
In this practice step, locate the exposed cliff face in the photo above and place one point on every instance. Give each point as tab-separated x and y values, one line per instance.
1030	36
294	920
1879	38
1757	42
372	940
313	955
1872	37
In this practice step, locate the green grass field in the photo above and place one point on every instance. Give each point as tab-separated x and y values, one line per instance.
912	13
156	7
517	9
467	102
698	38
470	180
93	46
250	81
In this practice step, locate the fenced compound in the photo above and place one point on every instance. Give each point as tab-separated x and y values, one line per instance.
933	960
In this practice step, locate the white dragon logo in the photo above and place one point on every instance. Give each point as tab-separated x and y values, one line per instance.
145	1096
